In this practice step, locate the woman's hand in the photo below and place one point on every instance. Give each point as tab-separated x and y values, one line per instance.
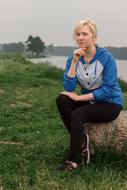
76	97
72	95
77	53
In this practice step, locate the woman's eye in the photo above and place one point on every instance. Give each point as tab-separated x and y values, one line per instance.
77	34
85	34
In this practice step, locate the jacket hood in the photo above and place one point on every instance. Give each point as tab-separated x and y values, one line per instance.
100	51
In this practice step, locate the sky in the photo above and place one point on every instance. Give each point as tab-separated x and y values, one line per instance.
54	20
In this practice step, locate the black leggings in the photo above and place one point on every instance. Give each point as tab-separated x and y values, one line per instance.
75	113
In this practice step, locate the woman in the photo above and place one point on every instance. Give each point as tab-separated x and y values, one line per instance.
94	69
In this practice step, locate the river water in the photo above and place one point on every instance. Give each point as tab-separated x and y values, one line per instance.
60	62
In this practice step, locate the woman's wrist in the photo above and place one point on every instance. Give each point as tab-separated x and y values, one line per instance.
72	70
86	97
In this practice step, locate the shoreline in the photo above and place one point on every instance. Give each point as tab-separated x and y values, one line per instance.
60	62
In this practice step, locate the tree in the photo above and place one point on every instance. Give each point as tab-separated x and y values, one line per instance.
35	44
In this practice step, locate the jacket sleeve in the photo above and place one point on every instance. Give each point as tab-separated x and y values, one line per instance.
104	93
69	82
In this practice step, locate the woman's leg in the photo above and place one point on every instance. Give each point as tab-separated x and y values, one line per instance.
65	107
98	112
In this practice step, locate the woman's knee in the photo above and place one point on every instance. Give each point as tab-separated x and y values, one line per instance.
61	99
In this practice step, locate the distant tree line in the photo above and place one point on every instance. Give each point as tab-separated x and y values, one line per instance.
35	45
59	50
14	47
119	53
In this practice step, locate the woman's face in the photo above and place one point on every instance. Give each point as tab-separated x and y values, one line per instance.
84	37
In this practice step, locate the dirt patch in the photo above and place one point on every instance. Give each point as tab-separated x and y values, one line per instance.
1	91
11	143
23	104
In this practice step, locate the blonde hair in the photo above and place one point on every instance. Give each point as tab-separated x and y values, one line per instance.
90	23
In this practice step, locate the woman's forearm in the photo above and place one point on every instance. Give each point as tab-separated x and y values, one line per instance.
72	70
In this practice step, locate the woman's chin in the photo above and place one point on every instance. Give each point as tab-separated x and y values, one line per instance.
82	45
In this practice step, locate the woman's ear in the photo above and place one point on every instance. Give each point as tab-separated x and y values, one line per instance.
94	40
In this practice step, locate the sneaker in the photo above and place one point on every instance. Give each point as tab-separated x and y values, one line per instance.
85	152
69	166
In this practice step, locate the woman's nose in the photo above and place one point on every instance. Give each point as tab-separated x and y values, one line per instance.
81	37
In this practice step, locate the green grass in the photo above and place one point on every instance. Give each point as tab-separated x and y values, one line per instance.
33	140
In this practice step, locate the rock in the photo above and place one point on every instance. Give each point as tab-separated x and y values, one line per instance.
109	135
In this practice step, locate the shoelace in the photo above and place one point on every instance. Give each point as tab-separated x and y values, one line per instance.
85	149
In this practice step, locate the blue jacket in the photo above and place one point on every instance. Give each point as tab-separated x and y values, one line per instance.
98	77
